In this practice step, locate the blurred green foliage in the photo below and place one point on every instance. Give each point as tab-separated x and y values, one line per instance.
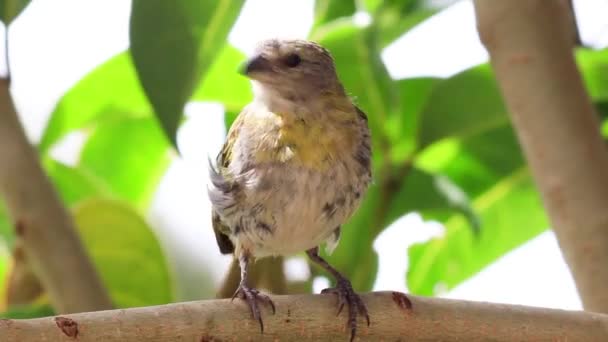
442	147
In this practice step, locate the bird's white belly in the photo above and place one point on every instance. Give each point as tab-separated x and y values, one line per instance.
289	209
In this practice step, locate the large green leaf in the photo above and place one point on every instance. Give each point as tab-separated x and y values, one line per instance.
108	92
432	195
9	9
73	183
172	44
224	84
126	253
419	191
128	156
393	18
402	129
465	104
470	102
503	196
511	213
328	10
467	114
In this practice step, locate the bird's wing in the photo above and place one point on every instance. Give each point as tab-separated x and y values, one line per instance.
223	161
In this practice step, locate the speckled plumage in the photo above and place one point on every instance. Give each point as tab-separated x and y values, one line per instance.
294	168
292	171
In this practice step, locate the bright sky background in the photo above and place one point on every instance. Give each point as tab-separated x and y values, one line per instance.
55	42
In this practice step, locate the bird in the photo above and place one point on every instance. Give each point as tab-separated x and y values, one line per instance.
294	168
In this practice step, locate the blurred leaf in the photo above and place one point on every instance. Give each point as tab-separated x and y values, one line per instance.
363	74
128	156
73	184
402	129
9	9
108	92
465	104
419	191
393	24
511	213
126	253
394	18
503	196
172	44
431	195
6	228
229	118
328	10
223	83
28	311
593	65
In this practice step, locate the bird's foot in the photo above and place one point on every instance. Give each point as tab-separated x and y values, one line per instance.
346	295
252	297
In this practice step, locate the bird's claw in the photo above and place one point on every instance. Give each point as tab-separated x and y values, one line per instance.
252	296
346	295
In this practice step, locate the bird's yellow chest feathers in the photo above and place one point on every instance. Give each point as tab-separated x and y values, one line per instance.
314	144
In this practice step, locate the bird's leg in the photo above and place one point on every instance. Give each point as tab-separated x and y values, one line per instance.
251	295
344	291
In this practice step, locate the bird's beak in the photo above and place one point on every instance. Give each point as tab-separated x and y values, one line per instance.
255	65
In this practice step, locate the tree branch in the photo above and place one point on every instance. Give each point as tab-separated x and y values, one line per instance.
313	318
42	224
530	45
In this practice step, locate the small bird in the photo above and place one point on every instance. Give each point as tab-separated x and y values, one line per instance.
294	168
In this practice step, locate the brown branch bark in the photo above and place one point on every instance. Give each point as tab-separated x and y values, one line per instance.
42	224
530	45
313	318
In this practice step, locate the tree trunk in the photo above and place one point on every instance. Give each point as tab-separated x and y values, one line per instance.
530	45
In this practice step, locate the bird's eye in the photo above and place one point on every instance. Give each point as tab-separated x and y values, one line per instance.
293	60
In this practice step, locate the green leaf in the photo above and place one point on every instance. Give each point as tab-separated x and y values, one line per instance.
511	213
28	311
7	234
394	18
465	104
229	118
9	9
73	183
328	10
431	195
593	65
402	129
224	84
173	43
126	253
363	74
502	195
108	92
128	156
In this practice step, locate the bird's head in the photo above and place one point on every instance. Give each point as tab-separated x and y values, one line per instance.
299	66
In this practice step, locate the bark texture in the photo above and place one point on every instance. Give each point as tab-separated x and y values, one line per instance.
530	45
313	318
43	226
